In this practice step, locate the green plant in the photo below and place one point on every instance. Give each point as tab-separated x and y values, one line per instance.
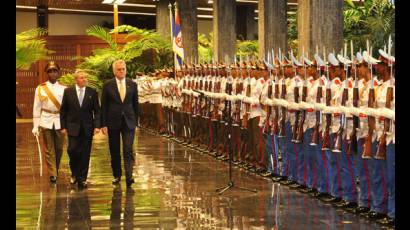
30	48
247	48
146	42
374	20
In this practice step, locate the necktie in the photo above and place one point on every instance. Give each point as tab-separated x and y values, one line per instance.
122	91
81	96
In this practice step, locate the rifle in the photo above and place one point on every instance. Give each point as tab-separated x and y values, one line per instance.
217	89
381	149
326	132
275	124
340	133
297	112
352	144
282	127
238	90
247	105
184	96
367	146
267	128
299	136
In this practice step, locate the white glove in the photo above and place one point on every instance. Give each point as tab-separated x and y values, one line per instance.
35	131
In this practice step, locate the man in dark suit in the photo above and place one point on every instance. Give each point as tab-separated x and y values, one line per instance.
119	113
80	118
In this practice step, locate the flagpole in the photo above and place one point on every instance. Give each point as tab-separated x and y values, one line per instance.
172	35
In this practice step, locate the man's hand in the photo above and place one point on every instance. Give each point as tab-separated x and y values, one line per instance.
63	131
35	131
104	130
96	131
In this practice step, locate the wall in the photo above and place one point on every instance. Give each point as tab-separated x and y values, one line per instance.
205	26
76	24
61	24
25	21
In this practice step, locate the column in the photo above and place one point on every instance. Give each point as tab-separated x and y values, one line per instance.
224	29
189	29
272	26
320	22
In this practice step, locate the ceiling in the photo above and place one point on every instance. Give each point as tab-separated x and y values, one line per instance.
143	7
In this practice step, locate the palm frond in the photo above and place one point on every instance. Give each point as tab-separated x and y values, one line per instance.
30	48
101	33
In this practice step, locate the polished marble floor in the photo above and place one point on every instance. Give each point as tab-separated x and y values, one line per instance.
175	189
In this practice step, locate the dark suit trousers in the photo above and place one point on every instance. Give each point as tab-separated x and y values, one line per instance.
128	156
79	148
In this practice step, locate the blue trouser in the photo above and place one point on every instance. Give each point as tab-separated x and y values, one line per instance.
291	152
347	165
310	159
322	171
300	162
284	150
272	153
390	160
364	177
334	171
379	184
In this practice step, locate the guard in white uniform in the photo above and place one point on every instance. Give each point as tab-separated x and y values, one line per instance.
46	118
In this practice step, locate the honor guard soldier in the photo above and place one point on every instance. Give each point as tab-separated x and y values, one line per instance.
46	118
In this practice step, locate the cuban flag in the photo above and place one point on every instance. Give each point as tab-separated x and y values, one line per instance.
177	41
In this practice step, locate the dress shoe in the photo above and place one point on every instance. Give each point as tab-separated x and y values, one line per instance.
82	184
325	197
116	180
347	205
303	189
332	200
53	179
388	221
376	215
362	209
287	182
130	182
294	185
73	180
276	178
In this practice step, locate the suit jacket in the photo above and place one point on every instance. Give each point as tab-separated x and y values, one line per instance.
113	109
73	117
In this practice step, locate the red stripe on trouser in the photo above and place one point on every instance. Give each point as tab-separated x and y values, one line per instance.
385	195
314	175
369	195
339	180
238	145
304	173
297	160
326	170
210	134
261	145
349	164
274	154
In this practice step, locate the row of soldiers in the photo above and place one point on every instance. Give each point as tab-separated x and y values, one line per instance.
323	126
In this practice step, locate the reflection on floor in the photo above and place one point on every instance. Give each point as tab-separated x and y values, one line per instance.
175	189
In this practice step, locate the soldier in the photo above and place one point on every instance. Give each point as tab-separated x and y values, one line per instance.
386	101
379	196
334	73
364	165
322	167
46	118
344	98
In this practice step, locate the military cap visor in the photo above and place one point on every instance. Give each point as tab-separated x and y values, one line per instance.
52	65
